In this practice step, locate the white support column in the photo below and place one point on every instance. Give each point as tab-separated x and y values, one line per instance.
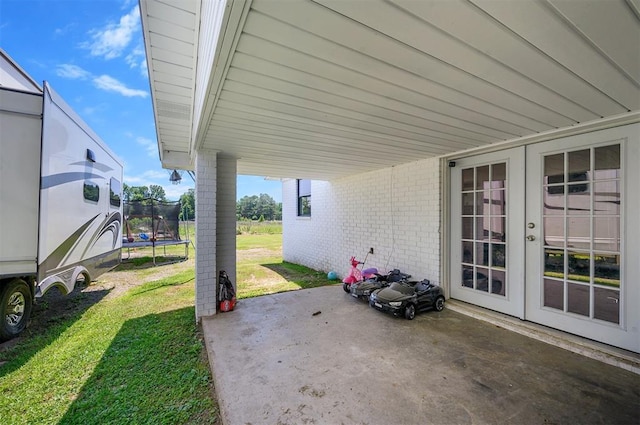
206	225
226	217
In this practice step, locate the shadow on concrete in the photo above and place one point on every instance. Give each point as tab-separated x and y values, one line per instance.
319	356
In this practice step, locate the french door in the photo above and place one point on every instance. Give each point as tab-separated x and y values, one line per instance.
487	207
583	227
550	233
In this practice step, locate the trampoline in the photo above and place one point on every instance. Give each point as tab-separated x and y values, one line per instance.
152	223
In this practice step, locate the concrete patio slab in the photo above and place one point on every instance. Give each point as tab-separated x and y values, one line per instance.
318	356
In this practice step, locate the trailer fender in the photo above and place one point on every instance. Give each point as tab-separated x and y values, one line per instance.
64	280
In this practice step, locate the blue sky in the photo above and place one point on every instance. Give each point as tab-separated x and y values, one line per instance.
92	53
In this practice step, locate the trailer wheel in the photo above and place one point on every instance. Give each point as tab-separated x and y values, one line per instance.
15	308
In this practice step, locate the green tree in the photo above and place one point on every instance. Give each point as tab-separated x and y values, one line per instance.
188	202
253	207
139	193
278	215
126	192
157	192
246	207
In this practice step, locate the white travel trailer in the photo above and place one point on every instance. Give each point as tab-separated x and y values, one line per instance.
60	197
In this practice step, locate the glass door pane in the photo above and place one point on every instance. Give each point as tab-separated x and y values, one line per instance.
581	230
483	221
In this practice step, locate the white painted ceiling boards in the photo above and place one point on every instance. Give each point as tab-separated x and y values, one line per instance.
327	88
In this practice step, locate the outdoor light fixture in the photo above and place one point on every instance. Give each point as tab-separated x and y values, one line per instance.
175	177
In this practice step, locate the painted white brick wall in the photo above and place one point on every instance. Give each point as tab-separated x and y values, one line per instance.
206	224
395	211
226	217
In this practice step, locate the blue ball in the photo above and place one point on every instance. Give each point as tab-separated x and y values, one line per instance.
332	275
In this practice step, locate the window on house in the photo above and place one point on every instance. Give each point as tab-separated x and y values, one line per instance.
304	198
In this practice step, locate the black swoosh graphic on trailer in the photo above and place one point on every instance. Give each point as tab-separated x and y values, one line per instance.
97	165
56	257
111	224
62	178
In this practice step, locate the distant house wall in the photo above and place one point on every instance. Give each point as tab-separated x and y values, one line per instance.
395	211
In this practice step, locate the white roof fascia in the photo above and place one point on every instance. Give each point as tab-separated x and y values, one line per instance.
228	31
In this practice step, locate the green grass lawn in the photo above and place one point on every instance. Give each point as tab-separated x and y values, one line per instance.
134	356
261	271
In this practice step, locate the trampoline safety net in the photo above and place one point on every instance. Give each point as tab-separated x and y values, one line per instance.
151	221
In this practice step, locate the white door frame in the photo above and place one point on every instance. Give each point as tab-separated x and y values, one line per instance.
626	334
512	303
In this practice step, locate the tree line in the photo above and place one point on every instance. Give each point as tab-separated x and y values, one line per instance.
140	193
256	207
262	207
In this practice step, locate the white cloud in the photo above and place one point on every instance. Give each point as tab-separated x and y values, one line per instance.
161	178
64	30
156	175
149	145
137	59
133	180
72	72
103	82
175	191
107	83
126	4
144	71
110	41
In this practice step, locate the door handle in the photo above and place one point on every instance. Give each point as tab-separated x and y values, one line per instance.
531	238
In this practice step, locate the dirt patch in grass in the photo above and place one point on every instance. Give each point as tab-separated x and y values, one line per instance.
120	279
133	326
54	307
302	276
257	254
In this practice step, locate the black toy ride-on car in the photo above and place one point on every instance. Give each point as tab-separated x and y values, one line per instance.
364	288
407	298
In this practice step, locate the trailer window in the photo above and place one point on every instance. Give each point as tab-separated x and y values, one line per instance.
114	192
91	191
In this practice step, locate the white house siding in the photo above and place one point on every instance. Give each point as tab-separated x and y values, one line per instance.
395	211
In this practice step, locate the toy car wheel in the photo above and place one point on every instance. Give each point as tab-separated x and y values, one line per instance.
410	312
439	304
346	288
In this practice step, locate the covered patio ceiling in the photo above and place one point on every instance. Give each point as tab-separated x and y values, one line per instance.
327	88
